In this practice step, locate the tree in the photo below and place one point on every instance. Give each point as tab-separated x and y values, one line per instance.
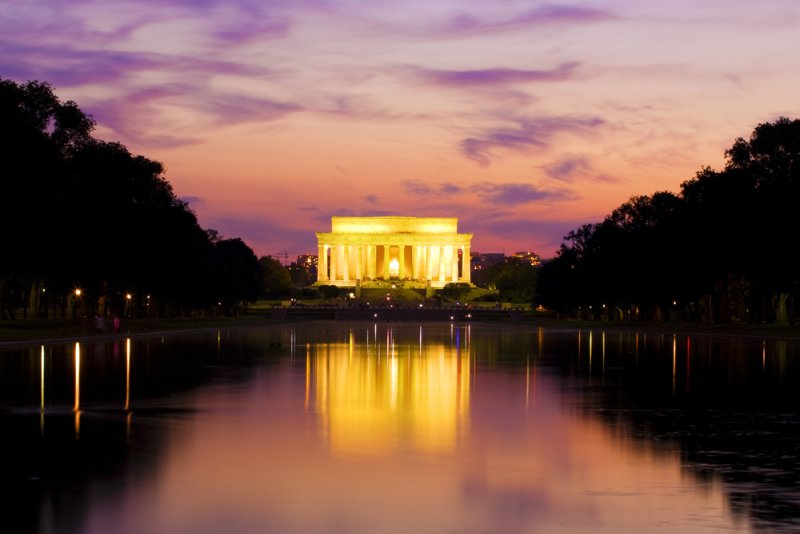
517	280
485	277
721	250
455	290
276	278
37	133
237	274
301	275
88	214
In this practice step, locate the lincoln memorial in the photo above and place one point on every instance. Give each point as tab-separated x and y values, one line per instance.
429	251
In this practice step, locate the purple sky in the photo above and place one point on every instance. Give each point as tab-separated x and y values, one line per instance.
522	119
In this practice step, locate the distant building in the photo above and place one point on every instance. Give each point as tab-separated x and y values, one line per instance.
308	264
304	270
308	260
482	261
528	257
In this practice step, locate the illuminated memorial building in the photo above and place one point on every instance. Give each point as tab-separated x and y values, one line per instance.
427	251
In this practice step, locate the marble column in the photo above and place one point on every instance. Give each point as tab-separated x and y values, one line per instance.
441	264
466	265
454	266
334	252
386	274
343	257
401	259
372	261
322	263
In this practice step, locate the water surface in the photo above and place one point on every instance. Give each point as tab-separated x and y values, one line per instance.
335	427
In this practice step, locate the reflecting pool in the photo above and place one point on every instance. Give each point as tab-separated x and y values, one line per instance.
336	427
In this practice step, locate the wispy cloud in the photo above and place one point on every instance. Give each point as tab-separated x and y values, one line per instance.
570	168
566	169
65	65
499	194
496	76
526	134
247	29
548	14
449	188
372	199
209	108
513	194
419	188
232	108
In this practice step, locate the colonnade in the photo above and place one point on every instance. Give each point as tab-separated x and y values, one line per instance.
422	262
426	250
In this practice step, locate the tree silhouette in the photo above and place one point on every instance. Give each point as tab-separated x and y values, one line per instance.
277	282
88	214
721	250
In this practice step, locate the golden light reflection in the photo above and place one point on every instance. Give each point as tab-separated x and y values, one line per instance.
416	401
127	374
688	360
41	388
674	360
77	407
530	384
603	353
308	375
539	340
41	384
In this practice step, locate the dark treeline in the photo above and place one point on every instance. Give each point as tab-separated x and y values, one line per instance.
83	214
722	250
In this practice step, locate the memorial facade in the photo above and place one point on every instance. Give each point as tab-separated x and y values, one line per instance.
427	250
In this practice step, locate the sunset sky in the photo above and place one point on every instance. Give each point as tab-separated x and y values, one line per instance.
523	119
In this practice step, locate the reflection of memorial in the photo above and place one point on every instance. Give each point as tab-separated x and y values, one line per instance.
379	397
426	250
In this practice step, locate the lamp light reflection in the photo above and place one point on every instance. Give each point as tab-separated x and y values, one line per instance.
674	360
77	407
127	374
41	385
